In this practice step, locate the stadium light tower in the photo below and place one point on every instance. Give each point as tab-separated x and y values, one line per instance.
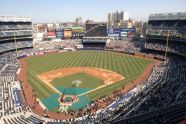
167	45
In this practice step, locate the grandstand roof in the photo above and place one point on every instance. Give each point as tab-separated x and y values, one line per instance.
168	16
15	19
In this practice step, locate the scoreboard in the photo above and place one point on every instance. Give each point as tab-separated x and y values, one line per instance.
121	32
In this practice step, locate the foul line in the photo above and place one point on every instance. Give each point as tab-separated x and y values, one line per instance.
93	90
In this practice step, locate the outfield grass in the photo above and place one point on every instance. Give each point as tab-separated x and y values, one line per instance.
128	66
87	81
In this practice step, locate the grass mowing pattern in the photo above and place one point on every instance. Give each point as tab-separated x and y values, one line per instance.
87	81
42	90
128	66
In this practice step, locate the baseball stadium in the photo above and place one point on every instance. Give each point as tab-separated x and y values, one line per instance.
93	72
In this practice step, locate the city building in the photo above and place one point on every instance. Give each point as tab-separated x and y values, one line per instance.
79	21
117	17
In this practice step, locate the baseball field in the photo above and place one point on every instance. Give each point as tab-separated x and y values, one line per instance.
98	73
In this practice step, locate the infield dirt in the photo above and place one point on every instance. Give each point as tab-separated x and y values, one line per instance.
108	76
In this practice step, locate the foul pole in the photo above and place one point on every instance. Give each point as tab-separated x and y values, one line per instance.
15	44
167	45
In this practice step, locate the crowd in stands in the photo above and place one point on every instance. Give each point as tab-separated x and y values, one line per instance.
167	89
27	52
56	45
8	58
154	55
13	26
174	48
160	29
167	23
23	119
7	79
13	45
179	36
163	32
126	102
13	109
124	46
1	65
16	33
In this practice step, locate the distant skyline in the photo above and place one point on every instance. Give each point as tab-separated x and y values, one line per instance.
97	10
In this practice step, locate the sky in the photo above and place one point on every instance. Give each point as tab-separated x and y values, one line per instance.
97	10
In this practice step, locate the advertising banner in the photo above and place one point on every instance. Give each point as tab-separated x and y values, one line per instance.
67	33
78	29
78	34
60	33
51	33
121	32
130	32
17	96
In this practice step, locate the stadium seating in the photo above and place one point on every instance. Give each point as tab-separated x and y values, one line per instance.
16	33
15	25
178	48
159	99
124	46
171	86
167	24
12	45
165	86
166	83
49	45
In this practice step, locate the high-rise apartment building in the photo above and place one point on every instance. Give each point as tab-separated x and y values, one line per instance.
79	21
117	17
